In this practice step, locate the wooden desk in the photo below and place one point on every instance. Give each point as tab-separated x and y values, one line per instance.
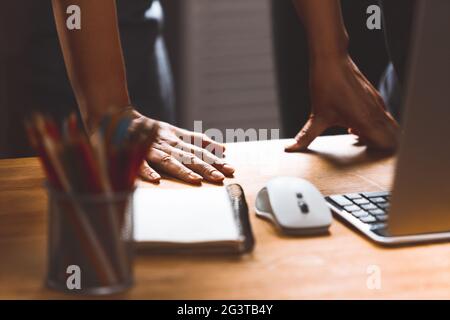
334	266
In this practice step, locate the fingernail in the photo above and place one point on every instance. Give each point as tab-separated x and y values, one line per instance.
228	168
195	176
217	175
155	176
289	148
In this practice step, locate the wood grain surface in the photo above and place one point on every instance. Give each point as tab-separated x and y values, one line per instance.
327	267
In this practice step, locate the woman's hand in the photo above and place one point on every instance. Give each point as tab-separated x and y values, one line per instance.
342	96
186	155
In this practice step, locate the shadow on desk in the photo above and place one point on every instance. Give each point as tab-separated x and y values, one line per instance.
343	158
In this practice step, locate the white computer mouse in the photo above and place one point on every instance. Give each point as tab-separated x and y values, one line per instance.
294	205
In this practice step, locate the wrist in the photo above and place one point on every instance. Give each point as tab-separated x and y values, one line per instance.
333	62
333	71
335	49
92	120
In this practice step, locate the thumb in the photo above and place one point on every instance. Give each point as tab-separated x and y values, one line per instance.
311	130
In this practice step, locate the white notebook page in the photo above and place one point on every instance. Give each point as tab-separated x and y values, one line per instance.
187	215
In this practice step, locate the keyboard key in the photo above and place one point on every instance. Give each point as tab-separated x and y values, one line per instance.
361	201
360	213
382	218
377	226
341	200
368	219
383	205
352	208
378	200
376	194
377	212
369	206
353	196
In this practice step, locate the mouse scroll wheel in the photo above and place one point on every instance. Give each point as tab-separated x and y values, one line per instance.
302	204
304	208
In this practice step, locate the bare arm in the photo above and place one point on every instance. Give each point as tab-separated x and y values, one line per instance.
326	33
94	61
340	94
93	57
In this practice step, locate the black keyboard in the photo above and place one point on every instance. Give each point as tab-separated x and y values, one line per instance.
371	208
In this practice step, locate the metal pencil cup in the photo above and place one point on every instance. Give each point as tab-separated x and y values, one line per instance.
90	242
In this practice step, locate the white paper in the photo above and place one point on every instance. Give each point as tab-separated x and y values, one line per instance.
189	215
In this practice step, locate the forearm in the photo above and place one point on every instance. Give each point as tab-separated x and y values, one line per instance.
93	57
325	29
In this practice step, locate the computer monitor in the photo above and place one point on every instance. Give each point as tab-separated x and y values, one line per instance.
421	193
419	208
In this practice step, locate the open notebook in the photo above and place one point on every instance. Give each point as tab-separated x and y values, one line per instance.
206	219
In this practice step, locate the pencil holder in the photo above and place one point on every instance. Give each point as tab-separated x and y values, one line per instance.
90	242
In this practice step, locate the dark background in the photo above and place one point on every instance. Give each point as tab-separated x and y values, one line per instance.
366	46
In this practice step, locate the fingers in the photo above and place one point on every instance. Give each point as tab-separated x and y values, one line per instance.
312	129
380	130
192	162
207	157
202	140
146	173
165	162
381	133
